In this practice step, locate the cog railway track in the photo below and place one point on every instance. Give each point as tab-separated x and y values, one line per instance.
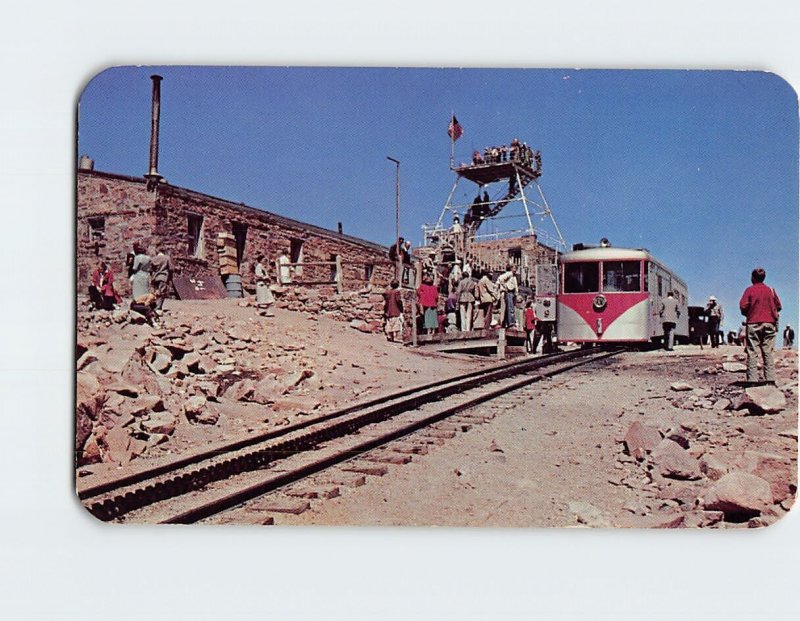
207	483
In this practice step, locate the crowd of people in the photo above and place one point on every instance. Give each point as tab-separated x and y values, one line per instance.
517	151
454	297
150	277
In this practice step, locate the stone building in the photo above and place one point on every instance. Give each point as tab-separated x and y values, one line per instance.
114	211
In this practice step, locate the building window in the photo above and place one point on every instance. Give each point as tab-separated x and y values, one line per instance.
240	234
97	229
195	223
368	269
296	255
333	267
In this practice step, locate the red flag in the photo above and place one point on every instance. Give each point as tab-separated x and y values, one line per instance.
454	130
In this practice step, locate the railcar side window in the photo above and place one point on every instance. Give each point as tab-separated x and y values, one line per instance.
621	276
581	278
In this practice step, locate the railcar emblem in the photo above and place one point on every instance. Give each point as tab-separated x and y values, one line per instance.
599	302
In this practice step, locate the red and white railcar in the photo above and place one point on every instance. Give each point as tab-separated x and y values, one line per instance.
609	294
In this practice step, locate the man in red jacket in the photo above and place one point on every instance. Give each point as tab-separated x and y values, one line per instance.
761	305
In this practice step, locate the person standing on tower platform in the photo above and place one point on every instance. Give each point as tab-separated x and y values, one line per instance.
503	153
715	317
760	304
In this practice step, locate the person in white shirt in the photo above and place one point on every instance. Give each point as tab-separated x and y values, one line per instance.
507	283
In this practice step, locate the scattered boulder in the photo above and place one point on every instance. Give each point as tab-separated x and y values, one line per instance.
713	467
588	514
763	399
681	386
299	405
160	422
267	390
90	398
734	367
673	461
641	439
295	379
91	453
775	469
739	495
241	390
198	411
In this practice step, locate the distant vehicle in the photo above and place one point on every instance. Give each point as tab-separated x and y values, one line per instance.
698	325
613	295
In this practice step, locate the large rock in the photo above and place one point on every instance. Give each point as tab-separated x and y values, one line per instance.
734	367
673	461
681	386
268	390
198	411
91	453
641	439
298	405
142	405
116	445
241	390
762	399
713	467
588	514
293	380
739	495
160	422
115	358
90	398
775	469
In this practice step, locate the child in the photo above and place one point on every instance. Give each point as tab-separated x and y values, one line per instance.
530	328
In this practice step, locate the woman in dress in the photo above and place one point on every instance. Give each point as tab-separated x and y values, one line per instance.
140	272
264	298
428	297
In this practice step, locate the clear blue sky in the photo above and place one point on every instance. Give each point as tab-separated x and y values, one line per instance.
701	167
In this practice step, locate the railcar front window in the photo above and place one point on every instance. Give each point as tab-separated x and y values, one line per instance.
621	276
581	278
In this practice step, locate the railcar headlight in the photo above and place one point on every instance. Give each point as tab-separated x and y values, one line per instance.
599	303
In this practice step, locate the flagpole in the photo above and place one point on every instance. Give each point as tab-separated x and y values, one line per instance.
452	141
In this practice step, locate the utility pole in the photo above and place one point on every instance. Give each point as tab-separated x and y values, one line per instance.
399	263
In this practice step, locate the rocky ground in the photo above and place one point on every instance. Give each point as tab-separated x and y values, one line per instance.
212	371
655	439
647	440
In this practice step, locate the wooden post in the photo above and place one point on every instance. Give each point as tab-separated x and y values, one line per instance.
501	343
339	274
414	318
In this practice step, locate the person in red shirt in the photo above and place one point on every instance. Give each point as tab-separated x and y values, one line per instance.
102	291
428	297
530	328
760	304
393	312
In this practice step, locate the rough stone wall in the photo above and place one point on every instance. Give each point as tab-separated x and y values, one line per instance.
496	254
128	212
363	309
161	219
267	234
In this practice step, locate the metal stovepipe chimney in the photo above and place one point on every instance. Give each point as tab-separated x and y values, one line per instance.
152	176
